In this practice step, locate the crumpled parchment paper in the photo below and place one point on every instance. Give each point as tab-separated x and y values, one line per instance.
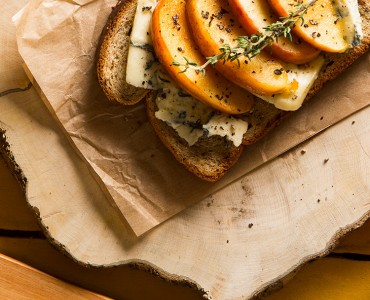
57	40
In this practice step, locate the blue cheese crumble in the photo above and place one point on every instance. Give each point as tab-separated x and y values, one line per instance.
192	119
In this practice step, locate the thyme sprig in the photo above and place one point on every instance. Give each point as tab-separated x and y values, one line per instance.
249	47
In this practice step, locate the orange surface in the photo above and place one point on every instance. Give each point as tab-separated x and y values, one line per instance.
322	28
254	16
172	42
256	75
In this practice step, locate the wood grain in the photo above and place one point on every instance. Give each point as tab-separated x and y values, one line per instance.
310	282
220	229
120	282
234	244
20	281
318	279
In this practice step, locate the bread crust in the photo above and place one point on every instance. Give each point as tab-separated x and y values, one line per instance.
112	54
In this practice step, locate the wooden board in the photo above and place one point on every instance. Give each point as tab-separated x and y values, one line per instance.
323	279
20	281
122	282
125	282
344	279
220	229
22	220
234	244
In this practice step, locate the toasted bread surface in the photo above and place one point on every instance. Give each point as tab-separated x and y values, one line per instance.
209	158
112	55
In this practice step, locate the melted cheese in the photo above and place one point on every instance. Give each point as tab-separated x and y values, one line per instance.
227	126
183	113
141	28
192	119
348	10
304	77
141	63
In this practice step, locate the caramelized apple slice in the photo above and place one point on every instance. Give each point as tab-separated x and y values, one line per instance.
172	42
324	26
254	16
213	25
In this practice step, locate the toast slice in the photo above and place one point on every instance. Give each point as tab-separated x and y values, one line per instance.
210	158
112	54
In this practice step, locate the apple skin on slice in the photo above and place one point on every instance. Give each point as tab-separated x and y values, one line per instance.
254	16
323	27
172	41
213	26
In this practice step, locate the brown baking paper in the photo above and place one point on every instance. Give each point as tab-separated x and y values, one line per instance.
58	40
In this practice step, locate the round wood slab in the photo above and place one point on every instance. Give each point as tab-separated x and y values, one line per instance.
233	244
236	244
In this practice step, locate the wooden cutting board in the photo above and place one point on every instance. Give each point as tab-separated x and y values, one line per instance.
237	243
20	281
